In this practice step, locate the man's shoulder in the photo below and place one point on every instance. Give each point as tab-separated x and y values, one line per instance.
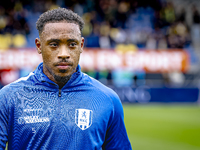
100	87
18	84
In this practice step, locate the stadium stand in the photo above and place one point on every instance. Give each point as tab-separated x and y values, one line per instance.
109	24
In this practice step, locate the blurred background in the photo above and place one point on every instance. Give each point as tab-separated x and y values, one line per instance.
148	51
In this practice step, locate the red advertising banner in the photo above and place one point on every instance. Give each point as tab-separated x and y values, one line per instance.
148	60
17	59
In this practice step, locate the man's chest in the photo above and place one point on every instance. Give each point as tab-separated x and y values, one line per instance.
72	109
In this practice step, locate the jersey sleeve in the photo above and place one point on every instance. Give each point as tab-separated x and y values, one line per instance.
3	120
116	135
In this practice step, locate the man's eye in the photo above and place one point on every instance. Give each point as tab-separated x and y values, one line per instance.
53	44
72	44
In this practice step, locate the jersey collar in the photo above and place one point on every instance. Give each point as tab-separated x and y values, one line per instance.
75	78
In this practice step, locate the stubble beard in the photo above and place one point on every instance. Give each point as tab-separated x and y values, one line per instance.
60	79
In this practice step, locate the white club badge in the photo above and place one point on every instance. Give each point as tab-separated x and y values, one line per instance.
83	118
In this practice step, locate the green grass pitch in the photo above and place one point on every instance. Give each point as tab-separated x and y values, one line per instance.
163	127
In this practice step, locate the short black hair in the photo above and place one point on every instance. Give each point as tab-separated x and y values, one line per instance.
58	15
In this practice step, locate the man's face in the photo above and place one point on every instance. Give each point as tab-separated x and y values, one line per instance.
60	45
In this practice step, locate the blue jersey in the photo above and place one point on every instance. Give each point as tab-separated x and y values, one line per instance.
83	115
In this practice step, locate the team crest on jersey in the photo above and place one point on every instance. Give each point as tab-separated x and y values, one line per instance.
83	118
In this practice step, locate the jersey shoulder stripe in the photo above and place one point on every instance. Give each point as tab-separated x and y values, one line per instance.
24	78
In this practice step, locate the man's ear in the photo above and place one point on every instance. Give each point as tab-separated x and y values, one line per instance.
82	43
38	45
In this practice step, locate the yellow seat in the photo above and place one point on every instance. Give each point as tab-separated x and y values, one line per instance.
19	40
5	41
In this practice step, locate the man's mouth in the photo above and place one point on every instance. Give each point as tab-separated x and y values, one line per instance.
63	65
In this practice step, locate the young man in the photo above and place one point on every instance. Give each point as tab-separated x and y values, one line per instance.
57	106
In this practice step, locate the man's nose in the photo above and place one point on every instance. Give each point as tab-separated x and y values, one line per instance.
63	52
